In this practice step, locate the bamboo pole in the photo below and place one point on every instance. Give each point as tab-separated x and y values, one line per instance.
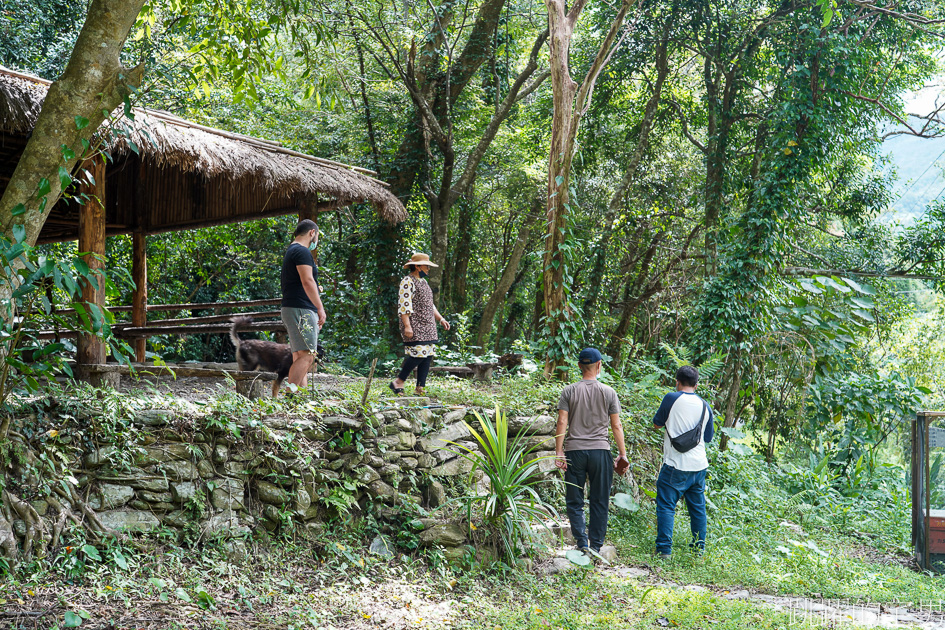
151	331
178	227
169	308
179	371
26	77
134	332
367	386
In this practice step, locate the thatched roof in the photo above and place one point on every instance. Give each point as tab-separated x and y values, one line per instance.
164	141
20	101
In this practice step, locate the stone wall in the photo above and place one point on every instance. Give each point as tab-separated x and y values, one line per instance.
210	476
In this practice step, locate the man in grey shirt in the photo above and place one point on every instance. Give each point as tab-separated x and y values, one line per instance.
587	411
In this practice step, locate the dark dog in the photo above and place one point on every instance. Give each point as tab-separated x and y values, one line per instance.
256	354
268	356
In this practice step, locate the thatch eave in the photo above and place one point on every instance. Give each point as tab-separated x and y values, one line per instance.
164	140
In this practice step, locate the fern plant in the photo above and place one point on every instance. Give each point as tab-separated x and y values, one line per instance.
708	369
513	504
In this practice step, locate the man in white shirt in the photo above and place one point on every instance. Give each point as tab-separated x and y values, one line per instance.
683	473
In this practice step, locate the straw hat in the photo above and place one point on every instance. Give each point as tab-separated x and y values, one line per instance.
419	259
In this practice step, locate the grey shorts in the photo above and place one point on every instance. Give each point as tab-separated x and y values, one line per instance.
302	326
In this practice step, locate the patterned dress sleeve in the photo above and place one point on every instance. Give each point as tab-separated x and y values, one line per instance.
405	297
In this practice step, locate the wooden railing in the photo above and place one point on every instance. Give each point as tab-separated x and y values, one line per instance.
183	326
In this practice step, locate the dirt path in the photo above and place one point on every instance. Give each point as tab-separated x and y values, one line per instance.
199	389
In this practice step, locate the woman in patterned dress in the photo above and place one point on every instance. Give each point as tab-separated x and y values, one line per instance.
418	320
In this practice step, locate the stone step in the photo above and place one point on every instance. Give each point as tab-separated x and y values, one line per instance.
553	533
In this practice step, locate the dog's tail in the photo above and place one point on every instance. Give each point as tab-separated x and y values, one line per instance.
242	321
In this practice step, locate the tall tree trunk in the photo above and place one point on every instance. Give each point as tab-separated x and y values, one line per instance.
631	300
506	279
570	102
721	88
362	84
459	264
731	386
538	312
514	312
439	234
450	191
94	83
434	92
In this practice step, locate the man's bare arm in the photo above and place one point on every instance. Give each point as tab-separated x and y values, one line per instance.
560	430
311	290
617	428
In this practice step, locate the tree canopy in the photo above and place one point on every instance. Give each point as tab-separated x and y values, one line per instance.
643	177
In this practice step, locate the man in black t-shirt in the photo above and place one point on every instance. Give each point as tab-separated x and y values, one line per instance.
302	310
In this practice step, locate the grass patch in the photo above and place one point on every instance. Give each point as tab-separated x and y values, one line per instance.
764	535
594	600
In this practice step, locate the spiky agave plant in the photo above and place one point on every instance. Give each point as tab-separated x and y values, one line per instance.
512	505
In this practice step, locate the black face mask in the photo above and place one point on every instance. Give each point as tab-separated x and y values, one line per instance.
423	274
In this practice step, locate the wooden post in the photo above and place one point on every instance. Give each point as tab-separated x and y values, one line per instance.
139	306
91	350
308	209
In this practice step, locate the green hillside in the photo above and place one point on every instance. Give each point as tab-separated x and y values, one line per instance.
917	164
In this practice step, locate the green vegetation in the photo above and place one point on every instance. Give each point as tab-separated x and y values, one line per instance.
788	528
717	198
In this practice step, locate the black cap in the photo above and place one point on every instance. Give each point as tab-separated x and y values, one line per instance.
589	356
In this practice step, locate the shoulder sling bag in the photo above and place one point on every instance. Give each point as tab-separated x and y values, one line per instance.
685	442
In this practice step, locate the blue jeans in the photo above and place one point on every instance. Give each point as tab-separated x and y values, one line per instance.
596	468
670	486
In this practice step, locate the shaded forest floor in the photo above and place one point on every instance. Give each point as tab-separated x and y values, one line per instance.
336	583
765	545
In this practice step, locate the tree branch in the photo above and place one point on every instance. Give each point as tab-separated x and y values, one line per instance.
501	113
604	53
894	273
685	127
919	133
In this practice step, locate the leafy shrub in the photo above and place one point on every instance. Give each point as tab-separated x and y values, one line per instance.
852	414
512	504
30	286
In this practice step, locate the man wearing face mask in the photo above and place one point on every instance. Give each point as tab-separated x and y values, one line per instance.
418	320
587	412
302	310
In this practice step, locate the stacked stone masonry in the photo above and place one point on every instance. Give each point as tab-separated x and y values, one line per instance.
228	479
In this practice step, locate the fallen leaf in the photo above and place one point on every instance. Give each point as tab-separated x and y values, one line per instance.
577	558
